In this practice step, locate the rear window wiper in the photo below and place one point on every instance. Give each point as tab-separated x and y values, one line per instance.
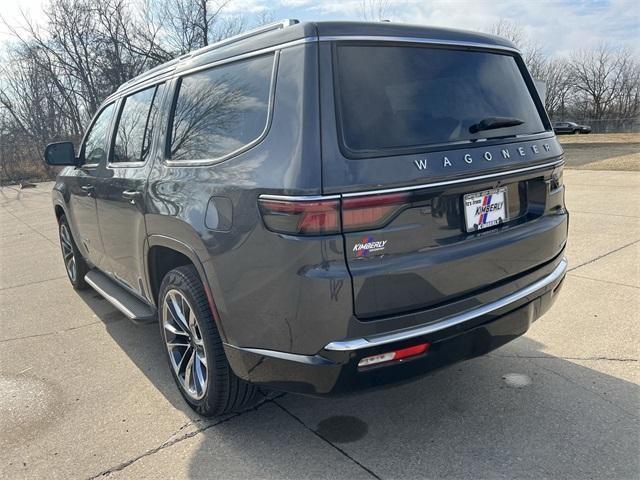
490	123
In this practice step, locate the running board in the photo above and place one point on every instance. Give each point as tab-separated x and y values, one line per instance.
131	306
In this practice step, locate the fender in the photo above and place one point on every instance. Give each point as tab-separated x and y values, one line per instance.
190	253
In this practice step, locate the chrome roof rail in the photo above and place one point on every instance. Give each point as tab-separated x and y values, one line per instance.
171	64
242	36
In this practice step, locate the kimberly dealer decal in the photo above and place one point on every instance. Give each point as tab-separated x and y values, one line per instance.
368	245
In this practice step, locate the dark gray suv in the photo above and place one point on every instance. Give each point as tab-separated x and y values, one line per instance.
320	207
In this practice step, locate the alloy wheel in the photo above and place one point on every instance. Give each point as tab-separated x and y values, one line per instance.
185	345
67	252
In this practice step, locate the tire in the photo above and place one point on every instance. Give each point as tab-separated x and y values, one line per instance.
74	262
192	342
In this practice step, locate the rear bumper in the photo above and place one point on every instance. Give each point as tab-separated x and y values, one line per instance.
335	368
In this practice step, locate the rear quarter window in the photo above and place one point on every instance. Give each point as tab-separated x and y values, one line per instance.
394	99
221	110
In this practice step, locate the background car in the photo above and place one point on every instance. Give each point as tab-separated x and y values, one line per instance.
570	127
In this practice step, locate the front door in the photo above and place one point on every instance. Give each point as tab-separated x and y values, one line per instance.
82	187
120	190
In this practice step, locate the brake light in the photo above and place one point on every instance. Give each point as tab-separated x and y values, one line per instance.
395	355
371	211
307	217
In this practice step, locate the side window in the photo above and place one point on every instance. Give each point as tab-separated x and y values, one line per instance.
221	110
133	136
96	143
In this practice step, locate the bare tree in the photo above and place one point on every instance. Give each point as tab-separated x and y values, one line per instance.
557	78
532	52
600	76
192	24
375	10
56	74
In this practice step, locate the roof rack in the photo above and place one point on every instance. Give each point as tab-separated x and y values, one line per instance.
248	34
171	64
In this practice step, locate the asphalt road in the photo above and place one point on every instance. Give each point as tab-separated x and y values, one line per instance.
84	393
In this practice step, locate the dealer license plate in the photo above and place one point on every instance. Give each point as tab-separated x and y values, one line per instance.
485	209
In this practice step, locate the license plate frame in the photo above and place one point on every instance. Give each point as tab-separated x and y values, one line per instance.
497	213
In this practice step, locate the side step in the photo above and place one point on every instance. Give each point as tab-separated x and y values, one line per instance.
131	306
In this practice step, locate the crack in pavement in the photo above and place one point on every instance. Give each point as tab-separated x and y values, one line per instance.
603	281
57	332
32	283
366	469
602	256
30	227
186	436
556	357
592	392
607	214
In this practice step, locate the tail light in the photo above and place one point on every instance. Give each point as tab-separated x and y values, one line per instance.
371	211
301	217
326	215
556	178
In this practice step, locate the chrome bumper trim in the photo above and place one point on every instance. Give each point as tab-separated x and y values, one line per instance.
373	341
292	357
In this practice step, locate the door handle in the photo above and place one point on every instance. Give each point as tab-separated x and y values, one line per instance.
131	195
90	189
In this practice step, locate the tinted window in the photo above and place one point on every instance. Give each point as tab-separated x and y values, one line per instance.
96	143
221	110
134	132
397	97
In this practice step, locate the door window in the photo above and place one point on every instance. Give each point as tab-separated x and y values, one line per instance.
96	142
135	127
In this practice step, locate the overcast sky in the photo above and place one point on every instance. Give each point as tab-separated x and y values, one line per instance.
558	25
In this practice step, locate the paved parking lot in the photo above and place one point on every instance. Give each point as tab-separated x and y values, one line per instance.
84	393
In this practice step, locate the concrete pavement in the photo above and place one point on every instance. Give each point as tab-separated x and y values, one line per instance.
85	393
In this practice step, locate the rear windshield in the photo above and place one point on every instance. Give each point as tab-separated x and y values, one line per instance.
399	98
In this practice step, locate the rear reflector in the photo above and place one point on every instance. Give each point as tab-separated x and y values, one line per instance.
394	355
309	217
371	211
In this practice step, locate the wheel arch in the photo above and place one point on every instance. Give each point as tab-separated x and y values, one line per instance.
163	254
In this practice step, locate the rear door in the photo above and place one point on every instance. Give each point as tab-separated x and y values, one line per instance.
442	156
121	185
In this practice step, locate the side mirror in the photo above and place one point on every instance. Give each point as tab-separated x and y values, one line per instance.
60	154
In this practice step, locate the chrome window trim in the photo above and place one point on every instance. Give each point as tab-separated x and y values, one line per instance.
176	74
426	41
456	181
299	198
383	339
237	151
172	73
308	198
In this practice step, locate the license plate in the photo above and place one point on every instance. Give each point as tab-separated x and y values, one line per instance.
485	209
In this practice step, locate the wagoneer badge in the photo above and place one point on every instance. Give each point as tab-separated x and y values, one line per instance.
467	158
